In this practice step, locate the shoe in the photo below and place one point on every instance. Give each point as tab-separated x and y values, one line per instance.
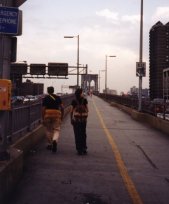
85	152
49	147
54	146
80	153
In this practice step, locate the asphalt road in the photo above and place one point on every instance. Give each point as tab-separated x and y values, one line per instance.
127	162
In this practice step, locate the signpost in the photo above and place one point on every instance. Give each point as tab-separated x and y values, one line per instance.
9	20
141	69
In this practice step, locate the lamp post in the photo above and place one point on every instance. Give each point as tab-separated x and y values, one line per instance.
103	70
77	56
141	56
99	81
106	71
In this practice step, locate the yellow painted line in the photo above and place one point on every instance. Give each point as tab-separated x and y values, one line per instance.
120	163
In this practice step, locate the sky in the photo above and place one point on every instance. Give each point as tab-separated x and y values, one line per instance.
109	27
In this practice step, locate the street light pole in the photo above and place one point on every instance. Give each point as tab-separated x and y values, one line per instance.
100	76
141	56
77	56
106	74
106	71
77	60
99	81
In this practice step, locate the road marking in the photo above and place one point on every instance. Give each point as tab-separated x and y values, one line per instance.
120	163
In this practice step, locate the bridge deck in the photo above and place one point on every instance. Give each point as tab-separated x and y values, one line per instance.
127	162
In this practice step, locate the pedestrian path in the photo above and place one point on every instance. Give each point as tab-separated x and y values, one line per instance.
116	170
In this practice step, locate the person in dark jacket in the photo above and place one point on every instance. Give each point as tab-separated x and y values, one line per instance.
52	114
78	115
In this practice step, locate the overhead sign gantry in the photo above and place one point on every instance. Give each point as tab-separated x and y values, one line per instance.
52	70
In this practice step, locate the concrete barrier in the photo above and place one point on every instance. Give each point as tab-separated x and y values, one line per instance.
157	123
10	173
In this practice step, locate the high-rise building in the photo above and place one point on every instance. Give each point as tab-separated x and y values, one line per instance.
159	57
166	83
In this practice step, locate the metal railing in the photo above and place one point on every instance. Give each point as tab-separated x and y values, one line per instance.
157	109
26	117
22	119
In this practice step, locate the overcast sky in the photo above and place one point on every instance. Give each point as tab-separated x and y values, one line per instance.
109	27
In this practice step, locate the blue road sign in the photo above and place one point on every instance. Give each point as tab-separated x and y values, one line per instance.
9	20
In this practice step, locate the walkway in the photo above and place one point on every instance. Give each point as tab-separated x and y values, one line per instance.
127	162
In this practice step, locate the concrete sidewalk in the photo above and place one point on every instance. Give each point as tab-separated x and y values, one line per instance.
68	178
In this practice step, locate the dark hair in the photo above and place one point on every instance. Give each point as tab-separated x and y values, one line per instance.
78	92
50	90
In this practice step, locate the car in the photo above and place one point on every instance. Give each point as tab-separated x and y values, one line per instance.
13	99
158	101
29	98
59	94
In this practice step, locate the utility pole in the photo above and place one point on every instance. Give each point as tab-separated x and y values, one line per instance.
7	31
141	56
77	61
5	47
106	71
77	57
140	66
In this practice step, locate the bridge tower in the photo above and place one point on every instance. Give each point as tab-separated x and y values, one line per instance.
86	82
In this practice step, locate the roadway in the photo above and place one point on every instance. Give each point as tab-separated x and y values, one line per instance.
127	162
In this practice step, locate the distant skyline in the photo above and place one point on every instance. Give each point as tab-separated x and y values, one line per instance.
105	28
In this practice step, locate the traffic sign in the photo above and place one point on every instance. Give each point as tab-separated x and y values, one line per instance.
18	3
19	68
37	69
141	69
57	69
9	20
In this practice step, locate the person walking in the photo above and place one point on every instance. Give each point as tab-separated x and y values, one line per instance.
52	114
78	116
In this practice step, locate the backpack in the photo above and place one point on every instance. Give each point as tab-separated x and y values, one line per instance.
80	112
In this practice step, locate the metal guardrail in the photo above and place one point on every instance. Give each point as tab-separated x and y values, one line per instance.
156	109
22	119
26	117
